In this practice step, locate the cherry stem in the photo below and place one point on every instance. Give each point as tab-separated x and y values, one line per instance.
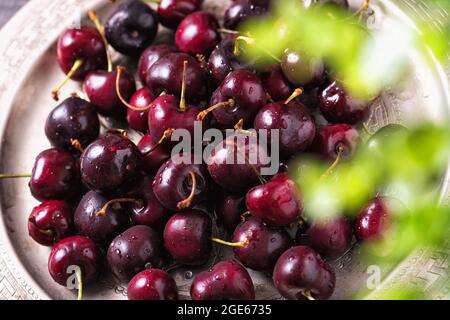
77	145
228	31
13	175
152	1
229	103
119	72
183	88
231	244
166	135
78	63
186	203
334	164
366	129
297	93
245	215
102	211
239	125
307	295
248	40
80	284
94	18
119	131
202	60
363	9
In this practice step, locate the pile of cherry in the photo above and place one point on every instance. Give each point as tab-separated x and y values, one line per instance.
109	204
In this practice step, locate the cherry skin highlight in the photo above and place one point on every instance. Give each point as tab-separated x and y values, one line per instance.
152	284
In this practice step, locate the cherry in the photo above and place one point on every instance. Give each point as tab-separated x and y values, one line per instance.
338	107
259	246
84	44
241	10
300	273
138	120
227	280
248	95
187	237
336	141
165	75
229	208
55	175
331	238
276	202
136	249
172	12
294	122
154	154
110	164
179	185
227	169
73	122
302	70
276	84
131	27
75	251
197	33
150	55
147	211
50	222
100	87
152	284
103	227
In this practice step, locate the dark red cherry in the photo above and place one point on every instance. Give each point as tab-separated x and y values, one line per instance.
294	122
237	162
179	185
110	164
197	33
229	208
50	222
338	107
100	87
76	251
152	284
187	237
73	119
172	12
150	56
276	202
301	69
154	154
136	249
167	75
227	280
241	10
84	44
261	245
334	140
100	228
248	94
300	273
138	120
147	211
276	84
55	175
132	27
331	238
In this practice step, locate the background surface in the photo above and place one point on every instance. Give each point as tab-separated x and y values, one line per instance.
8	8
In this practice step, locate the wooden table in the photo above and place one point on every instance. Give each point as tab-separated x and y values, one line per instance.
8	8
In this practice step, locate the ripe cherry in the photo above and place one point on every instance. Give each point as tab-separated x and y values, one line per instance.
241	10
331	238
172	12
338	107
276	202
179	185
101	228
150	56
76	251
154	154
110	164
302	70
336	141
187	237
300	273
227	280
55	175
248	95
152	284
197	33
72	121
229	208
136	249
50	222
138	120
132	27
276	84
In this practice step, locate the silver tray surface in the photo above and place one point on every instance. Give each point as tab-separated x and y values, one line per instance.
28	71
